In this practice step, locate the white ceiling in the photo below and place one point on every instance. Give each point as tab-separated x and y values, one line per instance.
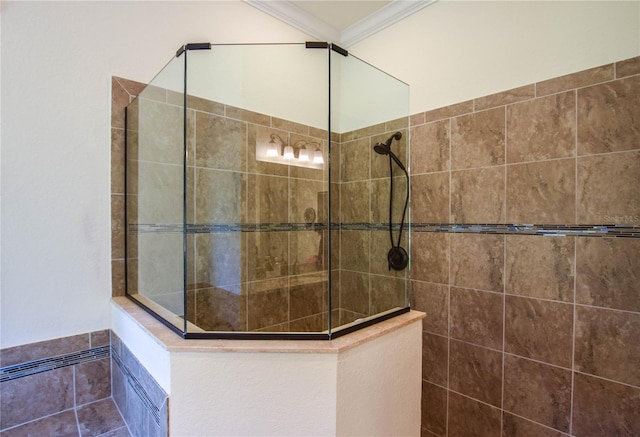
344	22
340	14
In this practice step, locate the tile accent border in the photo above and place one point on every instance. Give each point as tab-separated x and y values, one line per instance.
532	229
138	388
21	370
211	228
143	403
44	380
603	230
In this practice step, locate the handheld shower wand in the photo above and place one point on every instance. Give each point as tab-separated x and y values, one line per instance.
397	256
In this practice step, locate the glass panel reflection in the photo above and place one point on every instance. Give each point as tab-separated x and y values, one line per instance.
256	208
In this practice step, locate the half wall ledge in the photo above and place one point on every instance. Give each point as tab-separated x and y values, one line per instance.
367	382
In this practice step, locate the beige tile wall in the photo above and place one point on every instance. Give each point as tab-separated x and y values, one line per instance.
531	335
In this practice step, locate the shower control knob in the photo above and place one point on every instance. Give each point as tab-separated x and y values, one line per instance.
398	258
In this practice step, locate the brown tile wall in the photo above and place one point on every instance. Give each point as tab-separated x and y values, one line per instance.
524	335
143	403
82	399
530	335
275	274
252	281
366	286
54	393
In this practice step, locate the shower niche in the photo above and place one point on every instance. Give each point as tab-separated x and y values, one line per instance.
256	206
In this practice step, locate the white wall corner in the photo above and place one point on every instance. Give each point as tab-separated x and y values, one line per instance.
153	357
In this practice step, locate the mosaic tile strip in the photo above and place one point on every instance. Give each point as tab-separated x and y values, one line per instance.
44	365
206	228
367	226
532	229
604	230
258	227
138	388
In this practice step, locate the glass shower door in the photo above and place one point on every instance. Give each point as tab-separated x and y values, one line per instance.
369	107
155	195
257	190
256	205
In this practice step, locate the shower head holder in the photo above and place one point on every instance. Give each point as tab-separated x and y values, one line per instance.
398	258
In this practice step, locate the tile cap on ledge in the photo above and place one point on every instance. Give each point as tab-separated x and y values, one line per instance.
173	343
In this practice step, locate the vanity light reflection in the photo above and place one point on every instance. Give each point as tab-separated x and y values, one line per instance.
301	154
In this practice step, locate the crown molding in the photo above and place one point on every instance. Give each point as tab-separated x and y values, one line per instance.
382	18
298	18
307	23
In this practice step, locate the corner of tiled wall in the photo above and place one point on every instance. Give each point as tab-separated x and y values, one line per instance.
83	385
59	387
143	403
122	92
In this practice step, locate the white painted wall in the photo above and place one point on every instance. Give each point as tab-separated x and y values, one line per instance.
253	394
454	51
57	63
149	351
57	60
371	390
379	386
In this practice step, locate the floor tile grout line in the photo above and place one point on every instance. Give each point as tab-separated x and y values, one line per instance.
449	262
573	339
507	411
448	330
504	330
75	413
126	425
508	353
613	381
76	419
523	296
9	428
537	423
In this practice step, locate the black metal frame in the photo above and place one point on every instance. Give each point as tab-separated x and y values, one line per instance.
246	335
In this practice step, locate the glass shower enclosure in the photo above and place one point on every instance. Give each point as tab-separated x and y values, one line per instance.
255	204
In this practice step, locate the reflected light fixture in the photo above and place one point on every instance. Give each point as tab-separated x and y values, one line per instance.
272	149
301	154
317	157
288	153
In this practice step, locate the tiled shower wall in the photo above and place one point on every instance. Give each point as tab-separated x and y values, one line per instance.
246	270
528	335
266	280
361	246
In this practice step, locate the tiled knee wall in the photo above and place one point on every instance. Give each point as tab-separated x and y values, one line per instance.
143	403
47	379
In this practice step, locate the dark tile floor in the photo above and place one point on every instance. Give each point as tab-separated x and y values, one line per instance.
97	419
